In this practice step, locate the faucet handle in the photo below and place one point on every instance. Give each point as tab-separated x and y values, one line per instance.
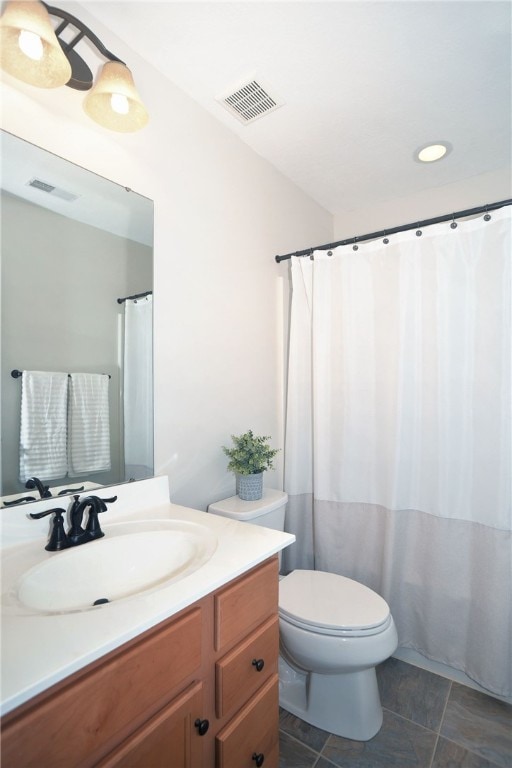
93	525
67	491
39	515
58	539
98	505
17	501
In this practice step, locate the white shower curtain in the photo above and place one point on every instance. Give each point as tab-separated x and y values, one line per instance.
138	388
398	458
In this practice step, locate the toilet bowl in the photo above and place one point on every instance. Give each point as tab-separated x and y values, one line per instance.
333	632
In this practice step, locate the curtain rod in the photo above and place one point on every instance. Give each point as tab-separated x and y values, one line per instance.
402	228
135	296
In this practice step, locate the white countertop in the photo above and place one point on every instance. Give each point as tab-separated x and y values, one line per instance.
39	649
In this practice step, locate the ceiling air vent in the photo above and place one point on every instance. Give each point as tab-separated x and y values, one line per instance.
52	190
249	102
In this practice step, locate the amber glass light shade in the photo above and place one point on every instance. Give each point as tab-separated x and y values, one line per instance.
48	67
113	102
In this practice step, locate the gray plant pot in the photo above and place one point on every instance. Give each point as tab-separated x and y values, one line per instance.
250	487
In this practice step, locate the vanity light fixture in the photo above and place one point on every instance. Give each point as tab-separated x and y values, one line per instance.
432	152
34	52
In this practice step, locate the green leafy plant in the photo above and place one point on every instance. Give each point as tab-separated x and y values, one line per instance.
250	454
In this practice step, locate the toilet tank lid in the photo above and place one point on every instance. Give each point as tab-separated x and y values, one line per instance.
238	509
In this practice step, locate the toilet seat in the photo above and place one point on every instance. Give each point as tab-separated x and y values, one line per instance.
330	604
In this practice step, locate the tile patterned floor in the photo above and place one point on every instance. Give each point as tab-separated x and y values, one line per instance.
429	722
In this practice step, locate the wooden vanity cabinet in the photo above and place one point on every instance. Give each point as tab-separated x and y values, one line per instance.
199	690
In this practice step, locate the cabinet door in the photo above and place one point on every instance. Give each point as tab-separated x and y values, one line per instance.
168	740
253	732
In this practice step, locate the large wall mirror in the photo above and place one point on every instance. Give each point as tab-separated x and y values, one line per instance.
76	327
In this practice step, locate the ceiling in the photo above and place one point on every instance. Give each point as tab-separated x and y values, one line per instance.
74	192
364	84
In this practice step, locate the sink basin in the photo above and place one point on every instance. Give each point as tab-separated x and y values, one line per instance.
132	558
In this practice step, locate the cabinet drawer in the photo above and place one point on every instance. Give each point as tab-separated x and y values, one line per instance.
254	731
93	711
245	604
168	740
237	678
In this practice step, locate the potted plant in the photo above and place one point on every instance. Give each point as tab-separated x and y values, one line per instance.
250	456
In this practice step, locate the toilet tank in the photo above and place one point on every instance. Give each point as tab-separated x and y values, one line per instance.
268	511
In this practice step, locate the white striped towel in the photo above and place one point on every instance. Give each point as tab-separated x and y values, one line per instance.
88	423
43	430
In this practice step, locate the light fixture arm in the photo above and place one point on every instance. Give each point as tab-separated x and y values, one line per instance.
81	78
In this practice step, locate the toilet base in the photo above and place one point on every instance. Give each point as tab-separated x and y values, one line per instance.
347	705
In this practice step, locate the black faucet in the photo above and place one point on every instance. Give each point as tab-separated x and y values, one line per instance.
76	535
44	490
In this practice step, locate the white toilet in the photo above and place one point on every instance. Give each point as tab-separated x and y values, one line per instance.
333	633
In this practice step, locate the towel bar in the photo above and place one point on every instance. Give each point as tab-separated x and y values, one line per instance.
16	374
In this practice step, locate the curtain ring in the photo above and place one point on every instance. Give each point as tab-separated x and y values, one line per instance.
329	253
355	247
418	231
453	225
487	216
386	239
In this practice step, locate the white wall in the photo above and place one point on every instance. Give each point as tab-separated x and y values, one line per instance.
437	201
221	214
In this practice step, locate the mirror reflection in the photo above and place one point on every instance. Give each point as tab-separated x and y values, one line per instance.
76	327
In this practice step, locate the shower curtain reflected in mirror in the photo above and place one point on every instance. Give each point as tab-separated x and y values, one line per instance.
398	459
138	387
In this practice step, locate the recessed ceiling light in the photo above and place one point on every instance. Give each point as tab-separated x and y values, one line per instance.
432	152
